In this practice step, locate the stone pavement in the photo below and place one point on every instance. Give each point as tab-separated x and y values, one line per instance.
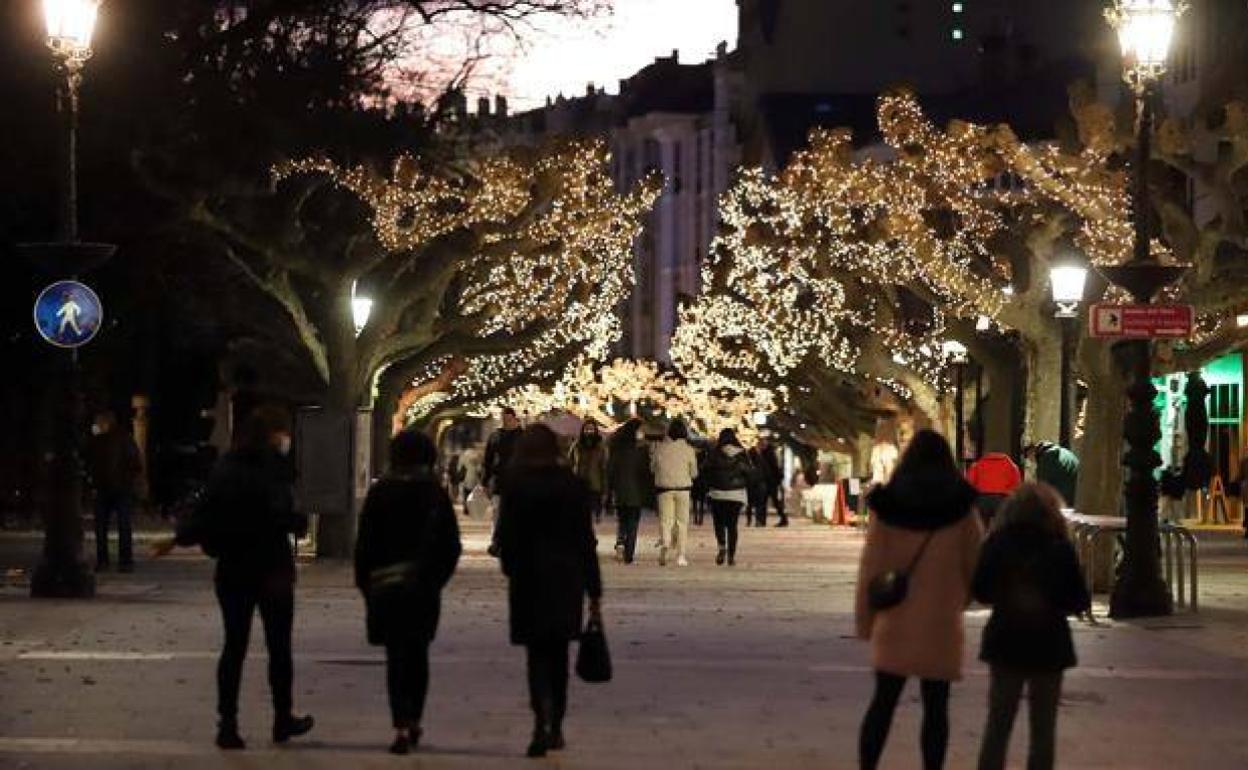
745	667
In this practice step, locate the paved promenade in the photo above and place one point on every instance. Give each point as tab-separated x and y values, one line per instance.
716	667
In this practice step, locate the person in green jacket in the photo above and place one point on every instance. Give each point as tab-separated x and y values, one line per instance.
1056	466
588	459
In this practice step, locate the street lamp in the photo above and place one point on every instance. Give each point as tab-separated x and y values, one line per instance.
1145	28
1067	281
61	572
361	308
956	354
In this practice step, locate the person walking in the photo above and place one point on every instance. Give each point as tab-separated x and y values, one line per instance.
498	452
548	553
629	485
1056	466
588	459
116	469
727	476
245	521
995	477
922	527
772	478
1029	574
405	554
675	466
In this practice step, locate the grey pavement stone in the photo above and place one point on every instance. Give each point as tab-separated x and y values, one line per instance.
716	667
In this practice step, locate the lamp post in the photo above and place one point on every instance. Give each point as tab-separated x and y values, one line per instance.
956	354
1067	281
1145	28
61	572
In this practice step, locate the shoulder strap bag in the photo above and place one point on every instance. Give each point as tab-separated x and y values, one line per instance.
889	589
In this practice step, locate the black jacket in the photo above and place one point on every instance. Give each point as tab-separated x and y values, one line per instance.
114	463
546	535
498	451
726	473
1032	580
407	520
245	519
628	474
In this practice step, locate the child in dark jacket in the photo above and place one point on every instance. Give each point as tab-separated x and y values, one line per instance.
1029	573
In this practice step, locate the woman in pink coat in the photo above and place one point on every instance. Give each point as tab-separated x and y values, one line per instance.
922	525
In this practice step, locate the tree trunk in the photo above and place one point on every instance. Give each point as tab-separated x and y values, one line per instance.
1044	373
1100	490
1000	406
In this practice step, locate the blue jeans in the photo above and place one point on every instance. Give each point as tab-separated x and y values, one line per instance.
108	505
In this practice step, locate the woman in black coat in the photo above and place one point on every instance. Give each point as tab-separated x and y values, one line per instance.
245	521
406	552
1029	572
548	553
629	485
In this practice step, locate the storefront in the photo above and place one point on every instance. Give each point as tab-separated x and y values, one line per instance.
1225	404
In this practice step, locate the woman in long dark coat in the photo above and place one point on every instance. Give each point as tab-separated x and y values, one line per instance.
406	552
629	484
548	553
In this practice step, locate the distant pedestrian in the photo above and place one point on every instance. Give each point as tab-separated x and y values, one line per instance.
923	527
245	521
768	461
629	485
1056	466
498	452
675	466
548	553
995	477
116	469
727	476
470	462
588	459
698	495
1029	573
407	549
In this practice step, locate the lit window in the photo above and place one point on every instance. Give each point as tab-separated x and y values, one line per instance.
957	7
957	34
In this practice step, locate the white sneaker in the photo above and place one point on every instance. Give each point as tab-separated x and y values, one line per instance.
662	556
682	562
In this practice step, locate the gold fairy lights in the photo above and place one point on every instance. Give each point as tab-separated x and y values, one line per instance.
550	249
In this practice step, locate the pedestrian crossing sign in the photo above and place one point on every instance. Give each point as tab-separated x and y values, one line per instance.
68	314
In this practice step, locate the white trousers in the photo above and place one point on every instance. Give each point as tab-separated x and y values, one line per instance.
674	520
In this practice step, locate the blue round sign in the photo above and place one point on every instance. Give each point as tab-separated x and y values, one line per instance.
68	314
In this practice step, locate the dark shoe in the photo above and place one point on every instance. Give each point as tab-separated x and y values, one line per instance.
732	559
292	726
782	523
556	741
493	550
402	745
228	738
538	746
719	557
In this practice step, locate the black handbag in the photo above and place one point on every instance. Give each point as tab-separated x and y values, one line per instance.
593	660
889	589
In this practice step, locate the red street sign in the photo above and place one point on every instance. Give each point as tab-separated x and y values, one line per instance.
1141	321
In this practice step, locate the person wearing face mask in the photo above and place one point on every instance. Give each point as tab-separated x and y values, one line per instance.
588	460
245	521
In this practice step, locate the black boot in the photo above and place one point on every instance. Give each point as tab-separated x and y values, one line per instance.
291	726
228	738
539	745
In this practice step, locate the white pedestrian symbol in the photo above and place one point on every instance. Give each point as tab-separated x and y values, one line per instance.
68	314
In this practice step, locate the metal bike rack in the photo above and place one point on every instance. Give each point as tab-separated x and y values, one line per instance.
1179	552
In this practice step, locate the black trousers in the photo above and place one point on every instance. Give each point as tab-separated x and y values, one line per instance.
879	719
277	613
109	506
726	514
548	683
628	518
1044	691
407	681
777	499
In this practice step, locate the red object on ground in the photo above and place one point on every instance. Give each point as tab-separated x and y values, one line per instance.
994	474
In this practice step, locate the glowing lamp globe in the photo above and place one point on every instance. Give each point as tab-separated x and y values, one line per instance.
1067	282
1145	29
70	24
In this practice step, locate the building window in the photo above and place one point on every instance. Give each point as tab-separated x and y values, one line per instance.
956	34
957	7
